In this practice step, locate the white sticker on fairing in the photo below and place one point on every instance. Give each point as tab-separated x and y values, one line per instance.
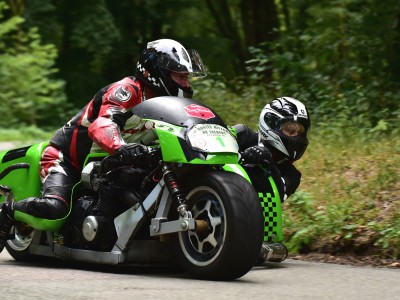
212	138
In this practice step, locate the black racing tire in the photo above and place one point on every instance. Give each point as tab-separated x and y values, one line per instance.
230	247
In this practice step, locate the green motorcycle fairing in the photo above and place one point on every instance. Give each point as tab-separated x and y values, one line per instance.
268	194
182	125
269	197
175	147
238	169
270	201
20	172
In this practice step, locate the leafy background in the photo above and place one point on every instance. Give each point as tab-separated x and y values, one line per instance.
340	57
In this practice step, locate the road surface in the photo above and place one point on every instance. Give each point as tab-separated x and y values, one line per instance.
8	145
289	280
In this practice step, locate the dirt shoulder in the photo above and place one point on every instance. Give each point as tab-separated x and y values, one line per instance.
347	259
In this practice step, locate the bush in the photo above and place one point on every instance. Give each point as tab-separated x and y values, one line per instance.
29	93
348	200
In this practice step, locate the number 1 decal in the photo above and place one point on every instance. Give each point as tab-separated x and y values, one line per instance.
220	141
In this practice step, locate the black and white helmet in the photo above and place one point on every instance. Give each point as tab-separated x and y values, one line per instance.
160	58
278	115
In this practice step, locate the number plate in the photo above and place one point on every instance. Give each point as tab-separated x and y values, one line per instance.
212	138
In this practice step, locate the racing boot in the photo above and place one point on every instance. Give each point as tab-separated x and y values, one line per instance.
6	223
47	207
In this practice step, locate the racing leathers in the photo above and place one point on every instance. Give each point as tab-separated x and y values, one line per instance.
284	173
105	123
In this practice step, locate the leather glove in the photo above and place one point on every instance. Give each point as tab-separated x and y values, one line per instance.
132	152
256	155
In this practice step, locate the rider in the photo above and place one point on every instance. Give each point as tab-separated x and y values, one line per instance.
281	140
106	122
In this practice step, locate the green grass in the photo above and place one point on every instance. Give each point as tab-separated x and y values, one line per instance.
26	135
348	200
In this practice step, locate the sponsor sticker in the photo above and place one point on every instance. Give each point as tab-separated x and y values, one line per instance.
212	138
198	111
122	94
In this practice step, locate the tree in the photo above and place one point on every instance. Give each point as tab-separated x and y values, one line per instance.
27	85
341	58
246	23
99	41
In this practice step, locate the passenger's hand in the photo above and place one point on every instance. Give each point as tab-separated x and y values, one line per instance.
131	152
256	155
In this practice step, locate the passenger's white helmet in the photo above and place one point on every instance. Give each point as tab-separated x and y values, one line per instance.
273	116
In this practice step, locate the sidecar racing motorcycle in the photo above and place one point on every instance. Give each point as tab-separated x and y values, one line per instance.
195	206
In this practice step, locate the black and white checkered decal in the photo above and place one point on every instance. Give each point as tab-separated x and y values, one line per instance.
152	80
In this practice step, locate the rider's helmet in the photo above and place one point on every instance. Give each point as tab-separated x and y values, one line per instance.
160	59
283	125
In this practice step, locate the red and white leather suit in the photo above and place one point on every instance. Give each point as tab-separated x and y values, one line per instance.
105	122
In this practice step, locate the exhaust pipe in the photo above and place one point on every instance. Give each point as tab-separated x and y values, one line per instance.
272	252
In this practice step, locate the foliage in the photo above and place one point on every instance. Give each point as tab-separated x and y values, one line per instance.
27	87
339	61
348	200
25	135
99	41
245	23
340	57
231	106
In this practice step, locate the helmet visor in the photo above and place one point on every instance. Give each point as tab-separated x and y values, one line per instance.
183	61
198	69
292	128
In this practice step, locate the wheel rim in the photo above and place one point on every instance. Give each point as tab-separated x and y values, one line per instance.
23	237
203	248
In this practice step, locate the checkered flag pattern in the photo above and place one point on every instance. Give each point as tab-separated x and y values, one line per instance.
151	79
140	68
270	216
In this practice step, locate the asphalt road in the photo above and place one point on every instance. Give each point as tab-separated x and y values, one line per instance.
8	145
289	280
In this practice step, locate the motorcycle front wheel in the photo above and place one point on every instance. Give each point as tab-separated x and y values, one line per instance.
229	246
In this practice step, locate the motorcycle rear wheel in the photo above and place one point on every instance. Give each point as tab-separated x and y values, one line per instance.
18	247
231	245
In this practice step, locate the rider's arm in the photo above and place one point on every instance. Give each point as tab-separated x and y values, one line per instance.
246	137
289	178
285	174
105	131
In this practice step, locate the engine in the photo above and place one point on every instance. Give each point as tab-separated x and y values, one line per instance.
88	227
102	196
91	225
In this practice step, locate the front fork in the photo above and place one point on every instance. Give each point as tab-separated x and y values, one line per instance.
174	195
171	182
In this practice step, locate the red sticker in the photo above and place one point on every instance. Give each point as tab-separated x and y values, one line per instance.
198	111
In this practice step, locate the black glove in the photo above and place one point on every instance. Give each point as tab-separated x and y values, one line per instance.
130	153
256	155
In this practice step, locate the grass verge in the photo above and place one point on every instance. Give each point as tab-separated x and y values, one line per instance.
26	135
348	200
